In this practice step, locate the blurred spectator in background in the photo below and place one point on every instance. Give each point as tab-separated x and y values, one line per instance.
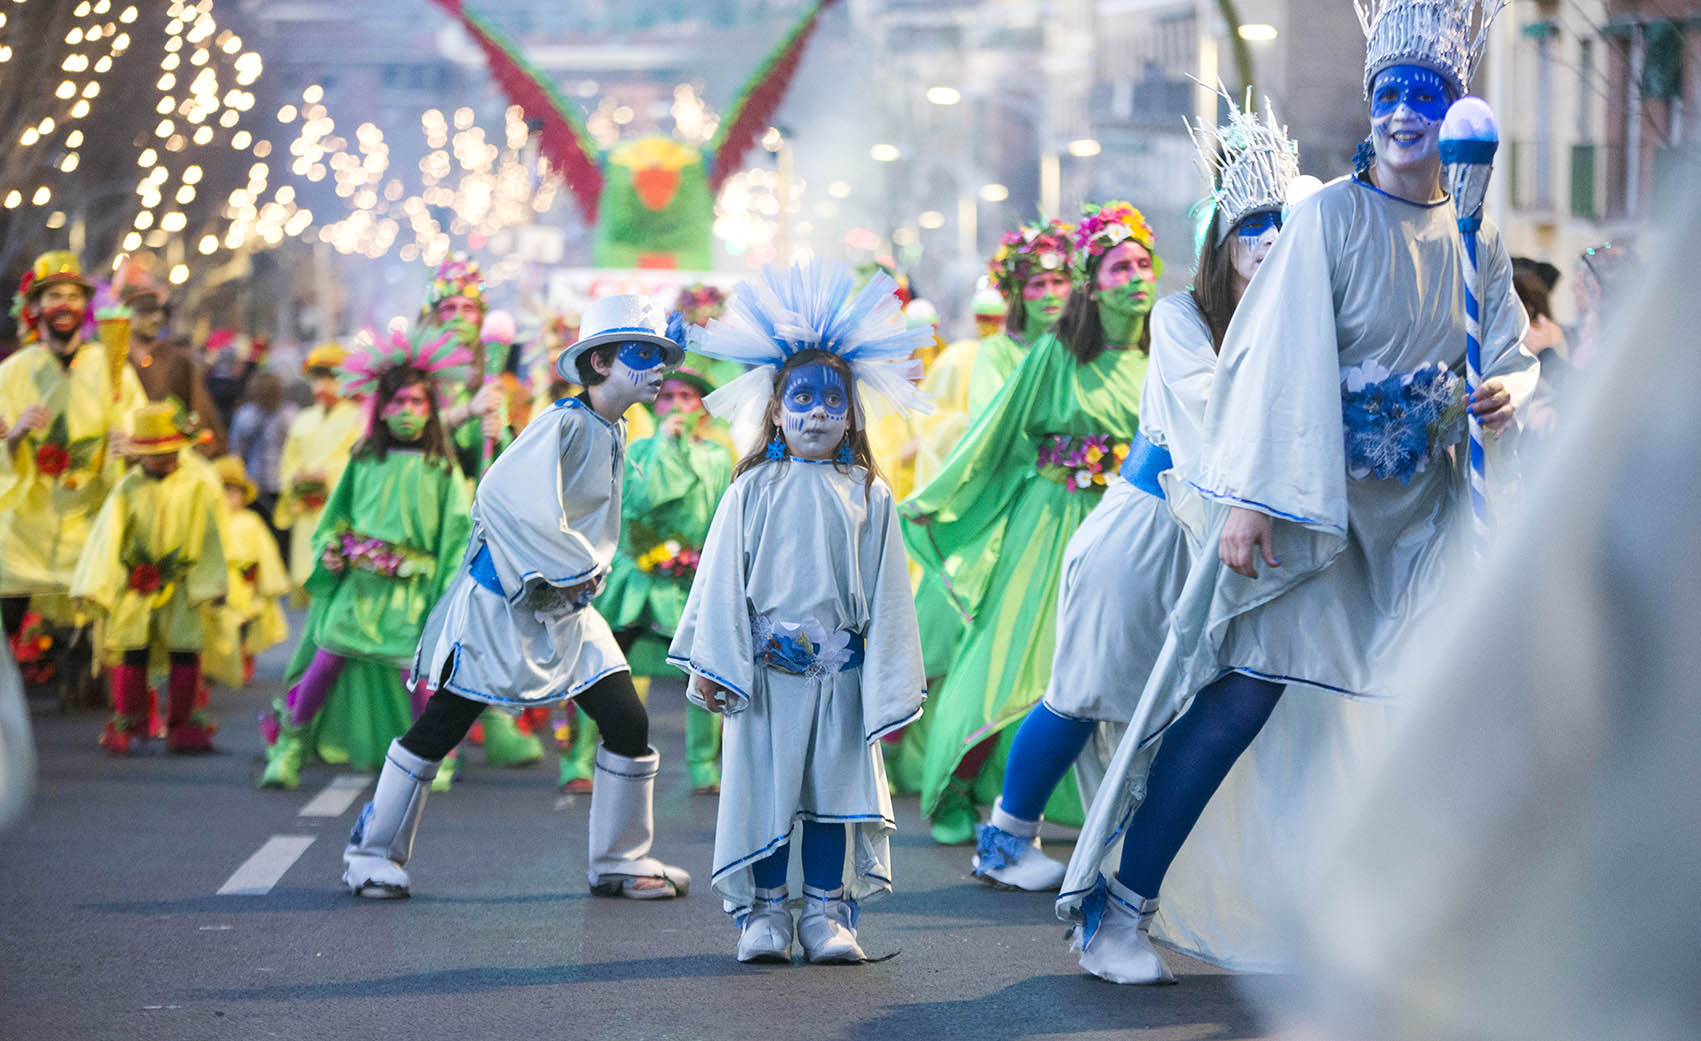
1604	275
257	435
1534	280
166	366
231	362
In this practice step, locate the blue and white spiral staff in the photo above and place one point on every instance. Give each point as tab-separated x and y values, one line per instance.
1469	138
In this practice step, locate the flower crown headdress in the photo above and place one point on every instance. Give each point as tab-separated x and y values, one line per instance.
435	351
1030	249
1446	36
459	275
1249	162
700	302
811	307
1104	226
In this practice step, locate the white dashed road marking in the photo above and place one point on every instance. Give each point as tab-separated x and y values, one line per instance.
260	872
337	796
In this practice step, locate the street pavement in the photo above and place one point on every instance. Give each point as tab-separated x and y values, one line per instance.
113	923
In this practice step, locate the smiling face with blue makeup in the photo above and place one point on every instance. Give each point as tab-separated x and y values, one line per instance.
813	410
1407	105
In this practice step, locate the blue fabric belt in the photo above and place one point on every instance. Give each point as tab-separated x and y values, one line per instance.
783	655
1145	461
483	571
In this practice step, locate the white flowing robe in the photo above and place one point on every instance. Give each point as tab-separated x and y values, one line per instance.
1126	562
547	513
1356	276
800	542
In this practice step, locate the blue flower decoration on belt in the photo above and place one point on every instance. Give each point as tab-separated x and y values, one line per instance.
1396	422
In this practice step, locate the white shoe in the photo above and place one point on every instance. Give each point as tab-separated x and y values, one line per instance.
374	877
1115	941
382	839
765	933
828	928
1008	855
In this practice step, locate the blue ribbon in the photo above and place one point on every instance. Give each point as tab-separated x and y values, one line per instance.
483	571
1468	150
1145	461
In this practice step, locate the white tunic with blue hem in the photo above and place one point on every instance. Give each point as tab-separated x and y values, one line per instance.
507	631
799	546
1359	281
1126	562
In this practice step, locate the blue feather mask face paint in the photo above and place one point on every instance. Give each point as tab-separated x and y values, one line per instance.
640	366
814	411
1407	105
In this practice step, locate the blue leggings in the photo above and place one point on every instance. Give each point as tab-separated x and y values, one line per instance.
1195	756
823	859
1046	745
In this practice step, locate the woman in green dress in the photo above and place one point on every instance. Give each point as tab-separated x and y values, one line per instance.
993	525
386	545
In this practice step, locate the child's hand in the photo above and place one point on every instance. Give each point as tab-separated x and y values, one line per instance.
714	696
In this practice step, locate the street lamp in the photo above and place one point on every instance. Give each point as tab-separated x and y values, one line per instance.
994	192
1084	147
884	153
944	95
1257	33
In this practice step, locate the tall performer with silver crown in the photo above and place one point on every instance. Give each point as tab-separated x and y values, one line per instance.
1328	488
516	628
1126	562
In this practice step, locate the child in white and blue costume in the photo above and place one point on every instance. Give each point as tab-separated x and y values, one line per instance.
800	625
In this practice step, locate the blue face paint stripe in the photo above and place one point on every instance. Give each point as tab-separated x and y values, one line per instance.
810	386
1254	225
640	357
1419	89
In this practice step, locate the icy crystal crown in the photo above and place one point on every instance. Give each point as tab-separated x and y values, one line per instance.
1447	36
1250	162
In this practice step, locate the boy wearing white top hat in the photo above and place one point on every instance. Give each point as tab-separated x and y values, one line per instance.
515	627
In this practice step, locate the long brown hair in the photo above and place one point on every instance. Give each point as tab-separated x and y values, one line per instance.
855	435
1079	327
1213	282
378	442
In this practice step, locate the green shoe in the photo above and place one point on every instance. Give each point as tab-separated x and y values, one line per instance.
283	760
578	766
445	772
955	821
703	750
504	745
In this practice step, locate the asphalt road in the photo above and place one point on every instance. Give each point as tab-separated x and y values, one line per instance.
114	925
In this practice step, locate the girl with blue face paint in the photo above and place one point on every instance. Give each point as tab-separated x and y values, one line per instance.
801	630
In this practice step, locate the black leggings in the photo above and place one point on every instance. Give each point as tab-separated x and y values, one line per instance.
139	659
611	702
12	611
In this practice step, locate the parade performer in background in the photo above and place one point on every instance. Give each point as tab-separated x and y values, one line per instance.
516	627
1332	501
1033	269
384	550
1125	564
800	626
167	371
314	455
65	409
994	524
251	619
155	556
672	484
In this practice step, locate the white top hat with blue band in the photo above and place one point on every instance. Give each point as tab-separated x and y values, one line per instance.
628	318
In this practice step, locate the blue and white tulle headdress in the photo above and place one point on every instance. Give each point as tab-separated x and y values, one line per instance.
1445	36
1249	163
811	306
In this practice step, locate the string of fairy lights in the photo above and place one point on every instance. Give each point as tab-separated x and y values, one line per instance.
470	187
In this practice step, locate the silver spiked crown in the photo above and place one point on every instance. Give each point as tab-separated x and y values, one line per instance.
1447	36
1248	161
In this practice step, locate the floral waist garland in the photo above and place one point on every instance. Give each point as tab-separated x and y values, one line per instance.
1079	461
804	648
1396	422
350	549
671	558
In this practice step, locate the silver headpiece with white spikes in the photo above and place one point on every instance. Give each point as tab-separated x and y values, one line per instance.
1249	161
1447	36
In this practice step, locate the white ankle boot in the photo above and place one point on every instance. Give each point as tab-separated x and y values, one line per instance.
623	827
382	838
765	933
1008	854
1114	939
828	928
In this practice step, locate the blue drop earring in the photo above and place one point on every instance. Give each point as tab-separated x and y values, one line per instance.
846	455
777	448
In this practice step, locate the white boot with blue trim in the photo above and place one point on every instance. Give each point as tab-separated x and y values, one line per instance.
827	928
764	933
1008	854
1114	937
382	839
623	829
